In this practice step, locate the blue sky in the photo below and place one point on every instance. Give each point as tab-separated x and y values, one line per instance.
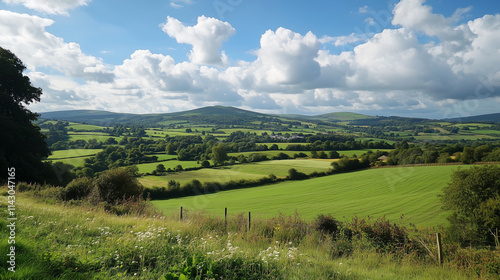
432	58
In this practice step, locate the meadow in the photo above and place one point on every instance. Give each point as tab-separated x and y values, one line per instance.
57	241
75	157
406	194
249	171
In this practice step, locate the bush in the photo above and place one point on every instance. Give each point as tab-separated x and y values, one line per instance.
77	189
326	224
472	197
116	184
293	174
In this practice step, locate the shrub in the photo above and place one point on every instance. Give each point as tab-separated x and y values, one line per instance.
471	196
293	174
326	224
115	184
77	189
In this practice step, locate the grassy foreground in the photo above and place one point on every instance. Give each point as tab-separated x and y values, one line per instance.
54	241
406	194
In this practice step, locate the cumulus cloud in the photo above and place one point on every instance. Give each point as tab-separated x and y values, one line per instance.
384	73
26	36
206	37
59	7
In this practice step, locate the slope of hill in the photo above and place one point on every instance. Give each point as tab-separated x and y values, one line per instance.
84	116
342	116
411	191
481	118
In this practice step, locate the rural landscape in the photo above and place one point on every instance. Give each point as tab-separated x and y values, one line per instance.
306	155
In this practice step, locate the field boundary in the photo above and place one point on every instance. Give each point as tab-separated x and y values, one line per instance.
435	164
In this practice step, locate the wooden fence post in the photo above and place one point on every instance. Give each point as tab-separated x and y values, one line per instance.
249	220
180	214
225	219
440	248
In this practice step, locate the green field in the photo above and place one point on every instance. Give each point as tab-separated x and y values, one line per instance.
99	136
411	191
63	154
149	167
75	157
249	171
80	126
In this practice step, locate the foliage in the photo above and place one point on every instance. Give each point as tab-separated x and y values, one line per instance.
22	145
219	154
116	184
472	196
78	189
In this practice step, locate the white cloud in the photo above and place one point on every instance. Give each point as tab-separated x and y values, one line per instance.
206	37
388	72
343	40
285	59
177	4
59	7
26	36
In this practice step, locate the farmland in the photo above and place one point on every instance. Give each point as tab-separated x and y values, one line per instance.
391	192
285	170
249	171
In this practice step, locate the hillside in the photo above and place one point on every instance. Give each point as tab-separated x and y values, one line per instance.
342	116
212	114
388	192
489	118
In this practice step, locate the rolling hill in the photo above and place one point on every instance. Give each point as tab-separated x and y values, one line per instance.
232	115
481	118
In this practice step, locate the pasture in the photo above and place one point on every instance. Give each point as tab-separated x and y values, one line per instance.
248	171
405	194
75	157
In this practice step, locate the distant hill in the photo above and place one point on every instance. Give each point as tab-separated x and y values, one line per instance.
235	116
342	116
481	118
217	111
84	116
212	114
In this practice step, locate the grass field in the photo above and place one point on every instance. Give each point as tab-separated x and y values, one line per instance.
58	241
75	157
80	126
63	154
149	167
249	171
99	136
393	192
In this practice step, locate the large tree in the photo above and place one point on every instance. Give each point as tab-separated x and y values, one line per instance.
22	145
219	154
473	196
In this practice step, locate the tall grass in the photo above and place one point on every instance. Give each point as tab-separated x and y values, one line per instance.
64	241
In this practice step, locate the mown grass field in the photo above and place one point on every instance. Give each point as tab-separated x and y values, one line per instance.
55	241
407	192
99	136
150	167
249	171
75	157
63	154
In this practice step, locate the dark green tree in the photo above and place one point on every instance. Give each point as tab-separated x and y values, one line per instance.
219	154
473	197
467	155
22	145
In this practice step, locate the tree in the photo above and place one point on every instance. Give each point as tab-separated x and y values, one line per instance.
467	155
22	145
160	169
473	197
219	154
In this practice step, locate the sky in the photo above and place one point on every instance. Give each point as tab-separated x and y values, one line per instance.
434	59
